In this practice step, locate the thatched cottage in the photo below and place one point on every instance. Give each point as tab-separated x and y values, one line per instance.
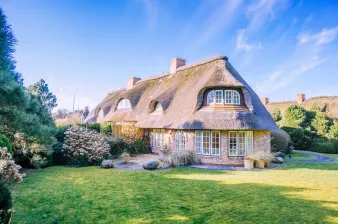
206	107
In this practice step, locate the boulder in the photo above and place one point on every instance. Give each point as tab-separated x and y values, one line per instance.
151	165
278	160
107	164
280	154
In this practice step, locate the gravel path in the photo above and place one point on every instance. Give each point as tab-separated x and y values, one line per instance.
316	158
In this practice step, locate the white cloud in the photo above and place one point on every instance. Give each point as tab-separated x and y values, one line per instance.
308	55
220	17
152	9
241	42
326	36
261	10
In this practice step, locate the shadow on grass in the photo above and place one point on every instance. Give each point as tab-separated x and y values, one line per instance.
110	196
312	165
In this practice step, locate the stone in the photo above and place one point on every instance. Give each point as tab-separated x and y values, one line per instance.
278	160
151	165
107	164
280	154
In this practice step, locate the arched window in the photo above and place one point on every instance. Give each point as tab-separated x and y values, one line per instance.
123	104
179	141
237	98
100	114
158	107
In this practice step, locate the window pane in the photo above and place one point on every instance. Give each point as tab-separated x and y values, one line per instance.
241	145
236	98
249	141
232	143
182	141
215	142
219	96
228	96
198	142
206	142
211	97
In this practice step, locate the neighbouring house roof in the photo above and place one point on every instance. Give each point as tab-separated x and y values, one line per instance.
181	96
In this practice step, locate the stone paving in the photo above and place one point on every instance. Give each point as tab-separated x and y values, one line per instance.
316	158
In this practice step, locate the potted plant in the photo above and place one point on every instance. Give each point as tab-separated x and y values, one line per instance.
260	158
126	157
248	161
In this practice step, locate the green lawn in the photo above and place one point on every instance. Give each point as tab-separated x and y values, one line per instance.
295	155
296	193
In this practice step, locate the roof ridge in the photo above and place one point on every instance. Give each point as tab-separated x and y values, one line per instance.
202	62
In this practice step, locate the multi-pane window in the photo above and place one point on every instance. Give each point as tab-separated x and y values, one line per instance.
215	142
198	142
236	97
208	142
157	138
179	141
124	104
228	96
211	97
219	96
240	142
223	97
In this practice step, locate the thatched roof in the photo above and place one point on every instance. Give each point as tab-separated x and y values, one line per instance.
181	97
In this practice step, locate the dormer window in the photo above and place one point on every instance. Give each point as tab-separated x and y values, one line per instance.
123	104
220	97
158	107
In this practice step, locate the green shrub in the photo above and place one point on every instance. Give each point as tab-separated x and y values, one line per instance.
280	141
91	126
276	114
4	142
324	146
133	147
321	123
84	147
301	139
5	202
333	133
295	116
106	128
116	146
58	156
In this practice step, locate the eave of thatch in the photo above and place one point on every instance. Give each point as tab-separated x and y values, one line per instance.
181	97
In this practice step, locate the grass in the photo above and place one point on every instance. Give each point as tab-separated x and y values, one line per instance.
296	193
295	155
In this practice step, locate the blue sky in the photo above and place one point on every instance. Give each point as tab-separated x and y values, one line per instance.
90	48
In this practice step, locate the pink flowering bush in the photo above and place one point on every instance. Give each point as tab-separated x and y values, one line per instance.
9	171
84	147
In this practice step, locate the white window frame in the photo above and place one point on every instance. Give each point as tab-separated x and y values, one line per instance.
214	100
234	92
198	142
180	141
225	96
157	138
123	104
222	96
248	144
219	143
200	136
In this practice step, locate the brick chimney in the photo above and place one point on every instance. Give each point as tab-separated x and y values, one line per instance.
131	82
300	98
265	100
176	63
